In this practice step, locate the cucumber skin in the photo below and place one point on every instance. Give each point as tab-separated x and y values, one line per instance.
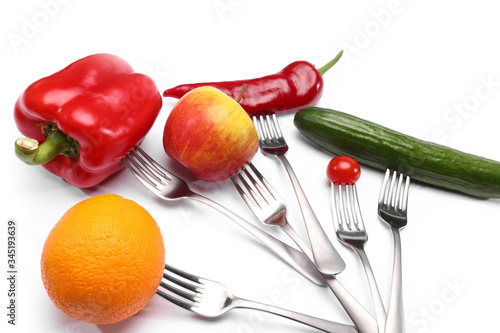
381	148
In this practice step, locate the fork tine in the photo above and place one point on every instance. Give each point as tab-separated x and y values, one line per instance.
258	120
152	166
271	140
389	200
181	283
347	209
274	124
338	216
263	188
342	206
177	301
396	190
260	197
266	128
253	191
384	193
173	288
188	285
254	188
268	189
356	209
262	130
268	131
185	288
243	193
140	168
404	197
147	170
181	273
247	192
139	173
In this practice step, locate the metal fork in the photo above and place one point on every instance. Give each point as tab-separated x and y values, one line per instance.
272	142
265	203
350	230
269	208
392	209
211	299
169	187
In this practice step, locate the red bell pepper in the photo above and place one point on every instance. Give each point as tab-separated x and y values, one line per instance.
88	116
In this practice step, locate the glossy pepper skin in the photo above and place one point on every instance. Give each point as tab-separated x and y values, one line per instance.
102	107
296	86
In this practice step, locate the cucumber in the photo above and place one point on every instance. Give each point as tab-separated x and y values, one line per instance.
381	148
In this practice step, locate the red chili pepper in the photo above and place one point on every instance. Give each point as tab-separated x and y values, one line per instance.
297	86
88	116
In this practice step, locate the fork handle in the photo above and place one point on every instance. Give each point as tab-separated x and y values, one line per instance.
321	324
327	259
358	314
293	257
376	298
395	322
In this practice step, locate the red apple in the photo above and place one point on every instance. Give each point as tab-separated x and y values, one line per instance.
210	134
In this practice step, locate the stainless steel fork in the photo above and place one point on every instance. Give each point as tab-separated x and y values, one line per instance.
167	186
265	203
351	231
211	299
392	209
272	142
269	208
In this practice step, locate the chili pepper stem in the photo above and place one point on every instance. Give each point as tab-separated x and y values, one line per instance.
57	143
330	64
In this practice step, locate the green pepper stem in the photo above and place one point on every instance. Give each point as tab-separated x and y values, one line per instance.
57	143
329	65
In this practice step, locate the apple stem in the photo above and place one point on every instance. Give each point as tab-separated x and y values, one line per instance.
243	88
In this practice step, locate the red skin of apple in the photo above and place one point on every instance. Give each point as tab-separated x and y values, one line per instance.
210	134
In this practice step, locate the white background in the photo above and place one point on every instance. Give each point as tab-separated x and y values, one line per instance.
409	65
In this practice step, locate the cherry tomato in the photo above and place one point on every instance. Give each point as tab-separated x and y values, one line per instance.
343	170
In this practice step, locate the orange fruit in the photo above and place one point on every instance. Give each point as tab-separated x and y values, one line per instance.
103	260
